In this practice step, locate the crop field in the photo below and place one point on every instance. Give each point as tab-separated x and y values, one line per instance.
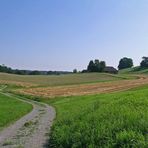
58	80
11	110
89	114
85	89
107	120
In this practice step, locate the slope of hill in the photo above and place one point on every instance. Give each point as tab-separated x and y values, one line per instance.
108	120
98	120
134	70
56	80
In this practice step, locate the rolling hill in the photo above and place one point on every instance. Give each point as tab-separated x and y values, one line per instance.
134	70
58	80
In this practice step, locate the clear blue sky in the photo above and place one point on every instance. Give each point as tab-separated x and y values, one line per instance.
67	34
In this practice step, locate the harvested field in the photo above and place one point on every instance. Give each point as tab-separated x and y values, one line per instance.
16	83
59	80
85	89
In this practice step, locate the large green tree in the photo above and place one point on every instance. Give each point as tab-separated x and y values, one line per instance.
102	65
125	63
96	66
75	71
144	62
91	66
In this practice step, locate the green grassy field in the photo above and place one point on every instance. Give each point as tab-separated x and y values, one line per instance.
11	110
136	70
116	120
105	121
57	80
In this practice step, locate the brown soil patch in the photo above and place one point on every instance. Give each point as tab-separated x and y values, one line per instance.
84	89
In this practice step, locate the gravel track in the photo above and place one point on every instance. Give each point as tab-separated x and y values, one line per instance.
32	130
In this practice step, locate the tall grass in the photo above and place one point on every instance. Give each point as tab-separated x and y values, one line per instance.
11	110
101	121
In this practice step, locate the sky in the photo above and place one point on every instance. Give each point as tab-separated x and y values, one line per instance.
67	34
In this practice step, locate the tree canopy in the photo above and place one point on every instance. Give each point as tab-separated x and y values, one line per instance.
125	63
96	66
75	71
144	62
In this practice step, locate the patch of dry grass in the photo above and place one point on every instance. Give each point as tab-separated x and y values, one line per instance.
58	80
84	89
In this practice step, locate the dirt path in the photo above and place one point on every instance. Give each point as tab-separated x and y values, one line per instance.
32	130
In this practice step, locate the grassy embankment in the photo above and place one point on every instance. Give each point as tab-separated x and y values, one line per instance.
134	70
11	110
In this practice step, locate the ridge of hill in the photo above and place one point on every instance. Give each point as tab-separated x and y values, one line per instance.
135	70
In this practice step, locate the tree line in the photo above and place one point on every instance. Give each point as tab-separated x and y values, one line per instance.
93	66
99	66
128	63
96	66
6	69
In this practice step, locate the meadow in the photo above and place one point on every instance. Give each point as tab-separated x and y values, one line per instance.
58	80
134	70
85	89
105	121
11	110
110	120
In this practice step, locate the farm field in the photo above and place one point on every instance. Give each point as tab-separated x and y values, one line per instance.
73	74
11	110
85	89
106	120
102	114
7	104
58	80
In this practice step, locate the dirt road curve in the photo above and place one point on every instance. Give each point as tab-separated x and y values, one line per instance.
32	130
84	89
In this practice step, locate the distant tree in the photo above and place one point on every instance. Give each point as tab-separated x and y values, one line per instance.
84	71
75	71
97	65
6	69
19	72
102	66
144	62
125	63
91	67
35	72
